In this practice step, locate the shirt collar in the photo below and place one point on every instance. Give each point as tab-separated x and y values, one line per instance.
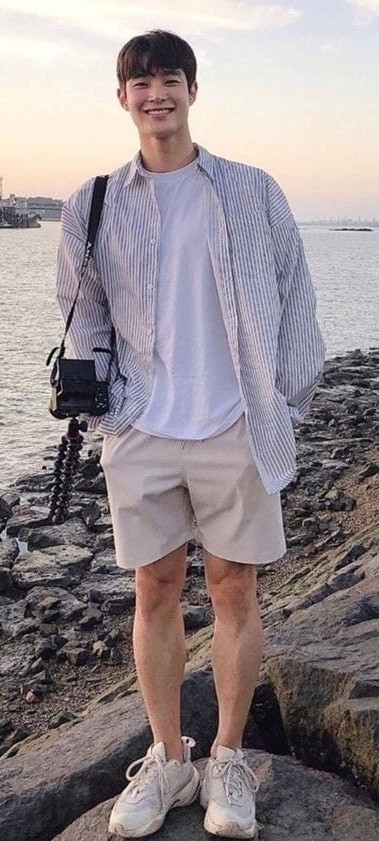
204	162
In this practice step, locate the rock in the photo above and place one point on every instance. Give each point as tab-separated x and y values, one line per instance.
195	616
62	718
47	604
11	498
6	580
65	773
104	541
70	607
36	667
95	595
5	511
76	654
337	665
24	627
101	650
8	551
115	592
26	517
41	678
46	629
118	605
114	635
333	494
91	468
370	470
61	567
353	553
50	617
33	696
323	666
73	532
6	727
91	616
15	738
90	513
46	649
15	660
104	561
292	802
93	486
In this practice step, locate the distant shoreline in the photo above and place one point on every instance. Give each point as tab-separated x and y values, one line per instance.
351	229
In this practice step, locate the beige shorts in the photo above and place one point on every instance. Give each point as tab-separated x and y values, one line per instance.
164	492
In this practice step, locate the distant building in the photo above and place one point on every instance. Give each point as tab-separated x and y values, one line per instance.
47	208
44	207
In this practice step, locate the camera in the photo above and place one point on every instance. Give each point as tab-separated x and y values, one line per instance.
75	389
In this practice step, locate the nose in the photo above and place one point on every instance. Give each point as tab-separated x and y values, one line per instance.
157	91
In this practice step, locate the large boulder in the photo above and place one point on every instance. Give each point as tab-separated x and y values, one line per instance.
54	779
293	802
322	661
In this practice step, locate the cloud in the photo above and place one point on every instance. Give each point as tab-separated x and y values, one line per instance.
42	31
371	6
109	17
367	10
29	49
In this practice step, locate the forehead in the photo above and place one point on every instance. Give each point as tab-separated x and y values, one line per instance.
157	71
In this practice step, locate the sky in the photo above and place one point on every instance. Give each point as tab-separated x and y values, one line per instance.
290	86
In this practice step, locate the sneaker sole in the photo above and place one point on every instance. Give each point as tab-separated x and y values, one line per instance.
231	830
185	797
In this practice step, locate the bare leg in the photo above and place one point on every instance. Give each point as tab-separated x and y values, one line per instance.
159	646
237	644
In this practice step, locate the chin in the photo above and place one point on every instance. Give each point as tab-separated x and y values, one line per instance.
162	134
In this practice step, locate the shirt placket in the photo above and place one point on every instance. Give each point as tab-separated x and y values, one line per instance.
151	282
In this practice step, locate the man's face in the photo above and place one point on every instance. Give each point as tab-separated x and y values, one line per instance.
159	103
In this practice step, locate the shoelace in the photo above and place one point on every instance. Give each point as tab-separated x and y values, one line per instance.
149	764
234	773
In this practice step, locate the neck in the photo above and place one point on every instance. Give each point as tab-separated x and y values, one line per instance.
165	156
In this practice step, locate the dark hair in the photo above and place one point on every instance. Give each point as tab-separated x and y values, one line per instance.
155	50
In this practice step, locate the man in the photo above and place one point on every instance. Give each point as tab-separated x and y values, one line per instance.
200	269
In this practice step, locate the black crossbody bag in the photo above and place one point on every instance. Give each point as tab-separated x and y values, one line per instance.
74	387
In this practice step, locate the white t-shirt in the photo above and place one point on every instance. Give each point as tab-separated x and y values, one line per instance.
195	393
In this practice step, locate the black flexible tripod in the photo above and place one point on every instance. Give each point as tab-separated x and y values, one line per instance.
65	466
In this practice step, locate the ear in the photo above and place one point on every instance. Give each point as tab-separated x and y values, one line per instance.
121	94
193	92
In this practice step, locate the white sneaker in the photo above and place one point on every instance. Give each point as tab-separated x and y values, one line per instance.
160	784
228	795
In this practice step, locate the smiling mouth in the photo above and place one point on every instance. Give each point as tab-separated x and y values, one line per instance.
158	111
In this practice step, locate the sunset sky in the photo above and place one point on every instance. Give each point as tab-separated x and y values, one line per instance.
290	86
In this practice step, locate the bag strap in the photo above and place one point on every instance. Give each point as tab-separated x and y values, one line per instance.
98	195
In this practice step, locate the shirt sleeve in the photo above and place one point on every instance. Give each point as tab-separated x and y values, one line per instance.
91	324
300	348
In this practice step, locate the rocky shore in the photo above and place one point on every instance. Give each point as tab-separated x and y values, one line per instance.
71	716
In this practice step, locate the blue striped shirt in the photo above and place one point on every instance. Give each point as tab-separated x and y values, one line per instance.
264	287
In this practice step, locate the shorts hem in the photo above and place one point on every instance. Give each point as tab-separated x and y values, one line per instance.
250	562
137	564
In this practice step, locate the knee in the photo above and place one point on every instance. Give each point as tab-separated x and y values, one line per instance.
233	593
157	592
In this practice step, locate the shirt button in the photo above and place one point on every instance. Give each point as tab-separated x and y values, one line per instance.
153	242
